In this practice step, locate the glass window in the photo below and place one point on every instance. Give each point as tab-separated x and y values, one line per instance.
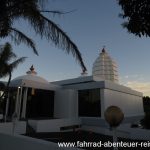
89	103
40	103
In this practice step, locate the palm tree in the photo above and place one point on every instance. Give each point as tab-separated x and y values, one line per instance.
6	66
30	11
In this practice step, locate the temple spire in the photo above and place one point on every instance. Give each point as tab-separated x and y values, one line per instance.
31	71
103	50
105	68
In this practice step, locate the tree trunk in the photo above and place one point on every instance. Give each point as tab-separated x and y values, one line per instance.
6	89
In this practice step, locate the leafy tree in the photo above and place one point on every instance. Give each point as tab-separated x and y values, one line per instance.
146	104
8	62
146	120
32	12
137	14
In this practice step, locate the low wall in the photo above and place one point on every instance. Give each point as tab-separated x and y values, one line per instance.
100	122
123	131
7	127
52	125
93	121
17	142
136	133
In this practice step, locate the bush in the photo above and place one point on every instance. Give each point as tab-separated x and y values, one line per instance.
146	121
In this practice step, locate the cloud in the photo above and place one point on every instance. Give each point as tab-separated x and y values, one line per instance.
143	87
126	77
132	76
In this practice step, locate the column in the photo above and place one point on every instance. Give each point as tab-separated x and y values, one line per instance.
23	114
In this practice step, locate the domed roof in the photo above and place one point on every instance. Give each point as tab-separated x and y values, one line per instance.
31	80
105	68
32	77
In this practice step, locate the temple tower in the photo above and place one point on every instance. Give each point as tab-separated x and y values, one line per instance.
105	68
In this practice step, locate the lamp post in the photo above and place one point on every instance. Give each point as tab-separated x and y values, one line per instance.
15	114
114	116
6	108
17	99
14	122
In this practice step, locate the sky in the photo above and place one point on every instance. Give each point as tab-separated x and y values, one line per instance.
93	24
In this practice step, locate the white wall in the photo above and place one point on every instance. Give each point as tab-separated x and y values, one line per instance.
66	104
52	125
131	105
130	101
94	121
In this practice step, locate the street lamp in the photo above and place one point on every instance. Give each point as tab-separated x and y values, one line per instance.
114	116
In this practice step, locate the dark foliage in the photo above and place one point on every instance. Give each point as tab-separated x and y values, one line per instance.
30	11
146	120
8	62
146	104
6	56
137	14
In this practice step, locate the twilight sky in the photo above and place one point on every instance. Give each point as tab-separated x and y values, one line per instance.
93	24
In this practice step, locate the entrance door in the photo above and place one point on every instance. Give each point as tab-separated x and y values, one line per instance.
40	103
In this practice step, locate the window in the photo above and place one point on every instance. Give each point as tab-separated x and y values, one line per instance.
40	104
89	103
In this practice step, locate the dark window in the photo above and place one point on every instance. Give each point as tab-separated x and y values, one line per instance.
40	103
89	103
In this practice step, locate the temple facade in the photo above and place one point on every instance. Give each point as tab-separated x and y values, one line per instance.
82	100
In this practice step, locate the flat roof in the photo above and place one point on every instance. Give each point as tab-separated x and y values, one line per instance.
87	82
74	80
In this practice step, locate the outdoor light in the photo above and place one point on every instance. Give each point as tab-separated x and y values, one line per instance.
114	116
33	91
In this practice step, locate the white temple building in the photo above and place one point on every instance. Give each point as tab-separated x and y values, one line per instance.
80	100
87	97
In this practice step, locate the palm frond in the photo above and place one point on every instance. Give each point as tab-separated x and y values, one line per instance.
20	37
6	53
30	10
45	27
57	12
15	63
7	65
62	40
4	70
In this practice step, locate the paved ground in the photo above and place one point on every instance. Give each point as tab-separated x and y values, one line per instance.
82	136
